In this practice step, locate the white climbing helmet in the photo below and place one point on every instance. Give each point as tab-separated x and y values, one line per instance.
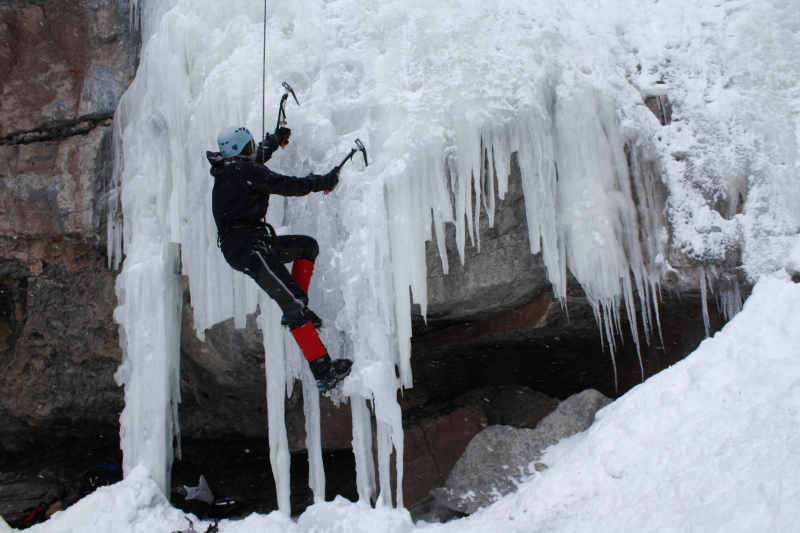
233	139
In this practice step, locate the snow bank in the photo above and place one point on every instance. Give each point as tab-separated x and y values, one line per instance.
710	444
135	505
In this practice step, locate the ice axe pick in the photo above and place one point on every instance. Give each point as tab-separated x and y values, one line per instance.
359	148
282	107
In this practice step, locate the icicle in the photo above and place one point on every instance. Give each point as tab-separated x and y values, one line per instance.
316	471
501	156
434	168
658	317
407	211
468	174
701	277
151	358
362	449
133	14
730	297
384	450
275	365
487	167
175	380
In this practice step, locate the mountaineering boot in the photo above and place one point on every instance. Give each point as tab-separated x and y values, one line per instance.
329	373
311	315
315	320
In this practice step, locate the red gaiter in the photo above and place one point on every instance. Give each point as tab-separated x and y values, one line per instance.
306	336
302	270
308	341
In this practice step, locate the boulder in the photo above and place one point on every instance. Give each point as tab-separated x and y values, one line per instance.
433	441
500	457
510	405
436	435
573	415
432	511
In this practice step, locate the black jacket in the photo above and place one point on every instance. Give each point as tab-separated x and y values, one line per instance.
241	195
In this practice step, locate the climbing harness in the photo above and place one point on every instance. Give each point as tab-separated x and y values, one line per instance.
260	225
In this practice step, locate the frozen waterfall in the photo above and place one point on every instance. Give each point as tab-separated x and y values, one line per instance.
442	94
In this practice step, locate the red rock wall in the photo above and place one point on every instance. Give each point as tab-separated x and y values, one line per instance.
62	59
63	67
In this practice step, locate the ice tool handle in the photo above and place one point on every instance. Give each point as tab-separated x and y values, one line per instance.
359	148
282	108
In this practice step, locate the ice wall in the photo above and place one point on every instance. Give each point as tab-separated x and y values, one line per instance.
442	93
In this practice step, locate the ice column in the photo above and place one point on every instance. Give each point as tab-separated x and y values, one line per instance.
275	361
149	291
151	363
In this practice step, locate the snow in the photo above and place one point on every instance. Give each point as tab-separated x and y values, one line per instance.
442	94
710	444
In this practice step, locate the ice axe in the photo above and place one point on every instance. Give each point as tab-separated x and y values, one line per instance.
359	148
282	108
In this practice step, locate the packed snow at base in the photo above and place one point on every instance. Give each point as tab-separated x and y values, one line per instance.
425	86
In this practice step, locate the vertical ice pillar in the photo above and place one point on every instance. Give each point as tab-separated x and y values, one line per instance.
311	410
275	366
149	315
362	449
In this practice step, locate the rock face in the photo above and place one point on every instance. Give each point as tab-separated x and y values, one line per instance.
510	405
499	457
502	276
63	67
62	60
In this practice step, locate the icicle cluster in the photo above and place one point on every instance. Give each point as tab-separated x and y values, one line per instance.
728	295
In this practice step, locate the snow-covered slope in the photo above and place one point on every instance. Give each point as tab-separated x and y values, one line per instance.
710	444
434	89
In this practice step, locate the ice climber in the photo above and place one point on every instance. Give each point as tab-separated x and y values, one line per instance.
242	187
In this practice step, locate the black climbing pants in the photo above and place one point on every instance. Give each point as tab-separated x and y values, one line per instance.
264	260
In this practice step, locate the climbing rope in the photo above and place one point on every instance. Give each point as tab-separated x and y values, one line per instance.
264	79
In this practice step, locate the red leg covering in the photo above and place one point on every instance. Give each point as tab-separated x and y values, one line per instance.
308	341
302	269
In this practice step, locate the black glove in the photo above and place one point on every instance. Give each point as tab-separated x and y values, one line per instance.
331	180
282	135
326	183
